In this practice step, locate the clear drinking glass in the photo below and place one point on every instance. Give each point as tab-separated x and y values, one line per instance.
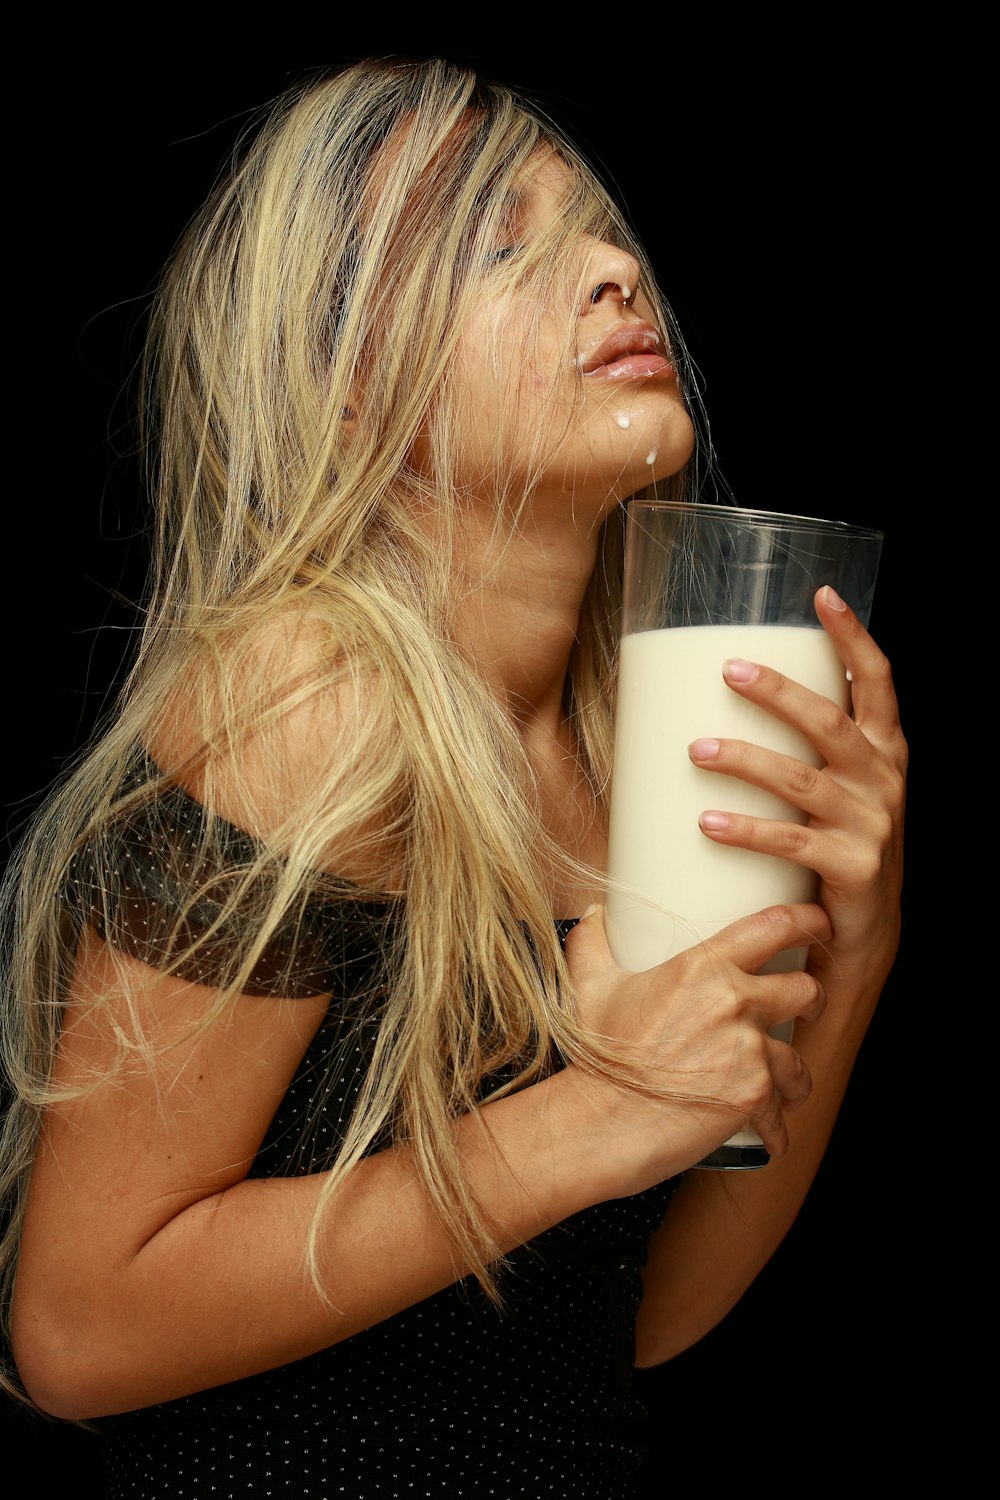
703	583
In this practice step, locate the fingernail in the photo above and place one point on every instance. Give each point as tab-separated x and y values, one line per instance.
588	913
703	749
715	822
737	670
833	599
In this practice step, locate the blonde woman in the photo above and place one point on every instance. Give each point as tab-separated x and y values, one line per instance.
343	1159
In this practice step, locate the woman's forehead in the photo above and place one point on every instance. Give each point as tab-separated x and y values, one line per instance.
545	182
544	195
545	175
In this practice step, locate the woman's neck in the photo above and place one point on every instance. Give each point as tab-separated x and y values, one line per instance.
518	617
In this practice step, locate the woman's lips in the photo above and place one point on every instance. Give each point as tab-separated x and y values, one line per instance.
633	351
634	367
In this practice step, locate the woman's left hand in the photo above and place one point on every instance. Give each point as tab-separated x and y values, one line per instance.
723	1227
854	802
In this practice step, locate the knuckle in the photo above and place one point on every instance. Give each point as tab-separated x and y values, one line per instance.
895	799
738	1001
884	827
776	919
869	861
779	685
883	671
736	753
761	1097
790	838
834	723
803	777
810	991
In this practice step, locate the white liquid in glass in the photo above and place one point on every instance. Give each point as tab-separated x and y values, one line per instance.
671	691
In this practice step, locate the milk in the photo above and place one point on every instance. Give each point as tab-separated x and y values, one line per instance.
671	691
683	886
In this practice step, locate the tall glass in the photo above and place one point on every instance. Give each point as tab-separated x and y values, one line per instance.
704	583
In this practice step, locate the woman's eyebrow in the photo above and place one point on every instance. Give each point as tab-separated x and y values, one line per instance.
515	206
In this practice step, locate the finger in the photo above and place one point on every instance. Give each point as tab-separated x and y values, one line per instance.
829	852
827	725
854	767
795	781
748	943
770	1126
751	941
792	1079
847	819
792	996
874	699
587	951
848	733
792	1086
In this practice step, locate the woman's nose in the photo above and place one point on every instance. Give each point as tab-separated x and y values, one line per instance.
611	274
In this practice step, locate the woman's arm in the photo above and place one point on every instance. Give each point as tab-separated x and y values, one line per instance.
144	1232
722	1228
152	1266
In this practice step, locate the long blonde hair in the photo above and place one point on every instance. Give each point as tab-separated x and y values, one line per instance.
302	337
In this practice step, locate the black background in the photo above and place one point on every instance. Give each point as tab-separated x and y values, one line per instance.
782	184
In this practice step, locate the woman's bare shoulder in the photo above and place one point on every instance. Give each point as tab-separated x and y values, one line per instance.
261	726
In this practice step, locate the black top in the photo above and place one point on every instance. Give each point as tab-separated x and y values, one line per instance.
449	1397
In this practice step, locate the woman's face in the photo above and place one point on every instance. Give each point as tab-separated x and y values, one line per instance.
591	423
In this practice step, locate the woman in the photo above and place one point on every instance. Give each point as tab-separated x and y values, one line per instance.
344	1158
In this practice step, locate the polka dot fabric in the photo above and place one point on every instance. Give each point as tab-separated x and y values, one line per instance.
449	1398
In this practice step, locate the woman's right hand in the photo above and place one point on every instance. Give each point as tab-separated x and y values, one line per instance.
694	1037
146	1174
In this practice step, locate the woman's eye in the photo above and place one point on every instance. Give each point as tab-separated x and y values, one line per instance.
481	263
502	253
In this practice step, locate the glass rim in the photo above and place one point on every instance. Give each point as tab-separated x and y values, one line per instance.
765	518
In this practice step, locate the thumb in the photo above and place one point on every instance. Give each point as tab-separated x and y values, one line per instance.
587	951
